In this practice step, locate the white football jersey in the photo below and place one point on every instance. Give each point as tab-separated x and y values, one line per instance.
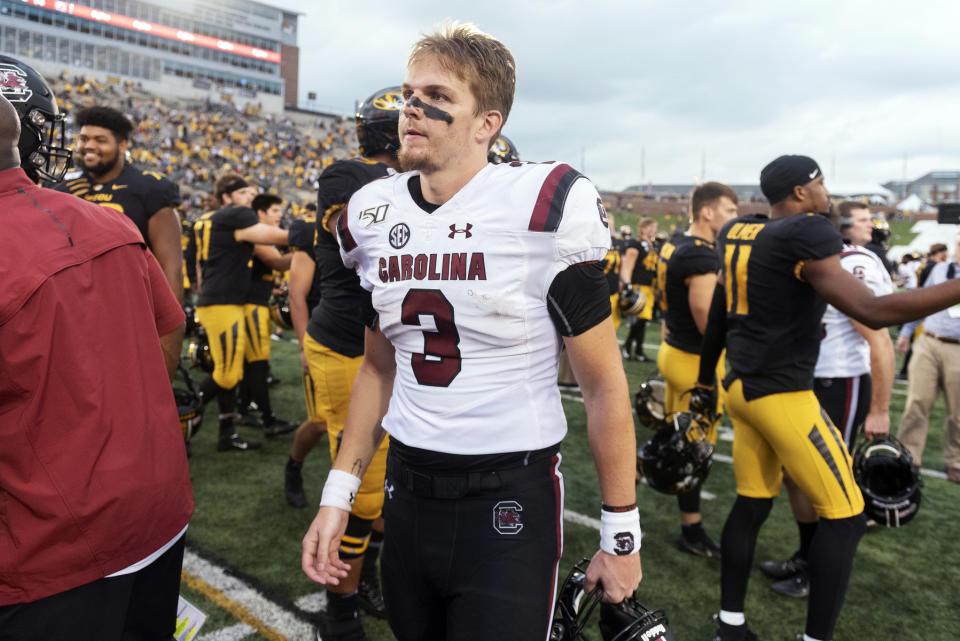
461	294
844	353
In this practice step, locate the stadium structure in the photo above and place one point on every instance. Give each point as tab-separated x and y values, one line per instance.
242	51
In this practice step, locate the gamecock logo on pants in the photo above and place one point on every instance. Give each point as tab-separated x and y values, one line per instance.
506	517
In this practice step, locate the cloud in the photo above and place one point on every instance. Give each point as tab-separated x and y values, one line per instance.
855	84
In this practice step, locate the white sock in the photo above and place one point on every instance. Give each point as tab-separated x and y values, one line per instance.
807	637
733	618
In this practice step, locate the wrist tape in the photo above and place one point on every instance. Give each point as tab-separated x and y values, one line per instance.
620	532
340	490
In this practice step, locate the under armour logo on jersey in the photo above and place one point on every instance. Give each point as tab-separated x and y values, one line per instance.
506	517
466	231
399	235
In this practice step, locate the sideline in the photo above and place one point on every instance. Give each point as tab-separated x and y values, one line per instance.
255	612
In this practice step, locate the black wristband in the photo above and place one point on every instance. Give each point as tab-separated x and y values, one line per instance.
617	508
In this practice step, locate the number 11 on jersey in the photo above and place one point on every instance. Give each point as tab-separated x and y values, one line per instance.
735	277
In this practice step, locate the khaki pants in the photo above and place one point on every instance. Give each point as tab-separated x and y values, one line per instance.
935	365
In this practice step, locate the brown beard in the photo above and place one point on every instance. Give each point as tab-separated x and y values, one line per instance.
424	163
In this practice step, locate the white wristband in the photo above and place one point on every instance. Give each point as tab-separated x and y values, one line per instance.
620	532
340	490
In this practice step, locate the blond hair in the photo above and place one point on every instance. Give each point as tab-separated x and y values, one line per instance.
477	58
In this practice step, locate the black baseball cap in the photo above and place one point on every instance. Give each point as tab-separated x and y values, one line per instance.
778	178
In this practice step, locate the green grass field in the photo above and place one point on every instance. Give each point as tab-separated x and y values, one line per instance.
904	584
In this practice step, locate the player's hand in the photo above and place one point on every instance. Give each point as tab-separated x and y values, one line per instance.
619	576
321	560
303	363
703	401
877	424
903	344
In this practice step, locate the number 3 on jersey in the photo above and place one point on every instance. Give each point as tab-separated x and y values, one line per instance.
440	361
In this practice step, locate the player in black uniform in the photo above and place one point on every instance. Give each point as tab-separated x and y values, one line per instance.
256	312
303	295
225	244
333	349
639	270
778	274
145	197
686	277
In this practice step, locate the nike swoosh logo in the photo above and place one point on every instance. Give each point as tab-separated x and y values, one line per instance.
116	187
812	175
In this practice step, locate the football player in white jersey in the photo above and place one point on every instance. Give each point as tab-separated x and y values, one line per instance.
853	380
478	274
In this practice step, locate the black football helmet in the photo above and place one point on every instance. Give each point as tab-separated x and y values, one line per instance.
881	231
890	482
199	351
631	301
43	151
280	311
678	457
189	404
378	118
628	620
503	150
648	401
191	323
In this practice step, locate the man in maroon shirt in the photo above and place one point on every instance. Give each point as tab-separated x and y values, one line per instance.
95	493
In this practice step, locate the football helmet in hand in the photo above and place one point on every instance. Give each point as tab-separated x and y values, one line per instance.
890	482
628	620
649	402
678	457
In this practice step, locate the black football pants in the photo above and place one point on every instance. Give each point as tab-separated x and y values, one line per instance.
475	567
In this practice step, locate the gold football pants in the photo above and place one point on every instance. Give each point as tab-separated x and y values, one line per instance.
228	339
258	327
680	370
790	431
332	376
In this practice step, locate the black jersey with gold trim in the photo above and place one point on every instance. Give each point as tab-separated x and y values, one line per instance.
335	321
773	315
645	269
261	282
225	262
303	238
681	257
611	270
136	193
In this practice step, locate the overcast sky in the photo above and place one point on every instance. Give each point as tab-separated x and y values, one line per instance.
858	85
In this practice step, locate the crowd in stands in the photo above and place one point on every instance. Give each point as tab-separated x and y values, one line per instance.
194	141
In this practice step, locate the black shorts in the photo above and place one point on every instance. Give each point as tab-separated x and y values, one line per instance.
846	401
472	555
141	606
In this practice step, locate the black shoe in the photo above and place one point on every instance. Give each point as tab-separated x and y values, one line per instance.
235	443
293	487
782	569
348	630
369	596
797	586
642	358
704	546
275	427
733	633
272	380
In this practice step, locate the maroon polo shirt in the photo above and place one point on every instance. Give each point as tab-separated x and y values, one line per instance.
93	473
